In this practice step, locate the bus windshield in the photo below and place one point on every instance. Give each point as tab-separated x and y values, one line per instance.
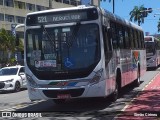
150	48
63	49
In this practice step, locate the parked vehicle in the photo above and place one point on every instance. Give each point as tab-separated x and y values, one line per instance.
12	78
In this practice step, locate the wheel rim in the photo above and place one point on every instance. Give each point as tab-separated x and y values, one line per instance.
17	86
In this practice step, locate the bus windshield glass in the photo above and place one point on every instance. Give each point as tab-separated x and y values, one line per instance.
64	48
150	48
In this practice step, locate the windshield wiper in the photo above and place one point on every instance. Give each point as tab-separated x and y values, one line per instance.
49	37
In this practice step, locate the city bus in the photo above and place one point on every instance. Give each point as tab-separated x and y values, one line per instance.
152	51
81	52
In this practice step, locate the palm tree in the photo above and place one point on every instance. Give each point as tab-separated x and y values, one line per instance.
158	26
136	14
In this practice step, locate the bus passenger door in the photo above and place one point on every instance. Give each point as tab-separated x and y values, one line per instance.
110	64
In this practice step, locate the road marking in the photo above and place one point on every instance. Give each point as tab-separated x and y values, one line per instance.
129	103
151	81
19	106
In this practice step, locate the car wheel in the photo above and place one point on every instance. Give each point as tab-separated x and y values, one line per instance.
17	87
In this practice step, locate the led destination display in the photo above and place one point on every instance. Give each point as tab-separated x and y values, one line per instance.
62	17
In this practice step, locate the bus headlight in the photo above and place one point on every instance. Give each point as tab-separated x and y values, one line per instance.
152	60
96	77
31	82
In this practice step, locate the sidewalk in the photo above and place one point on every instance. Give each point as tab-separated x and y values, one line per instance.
146	106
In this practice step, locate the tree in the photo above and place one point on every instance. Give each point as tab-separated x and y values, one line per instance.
136	14
158	26
7	46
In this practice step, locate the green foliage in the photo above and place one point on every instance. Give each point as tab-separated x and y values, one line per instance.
158	26
7	46
136	14
7	40
139	13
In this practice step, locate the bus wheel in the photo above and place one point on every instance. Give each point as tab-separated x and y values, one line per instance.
114	95
137	81
59	101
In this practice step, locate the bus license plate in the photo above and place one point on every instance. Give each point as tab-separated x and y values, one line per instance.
63	96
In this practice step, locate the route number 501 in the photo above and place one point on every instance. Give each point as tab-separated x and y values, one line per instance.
42	19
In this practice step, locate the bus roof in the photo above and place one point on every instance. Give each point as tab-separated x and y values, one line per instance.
150	38
119	19
105	12
62	9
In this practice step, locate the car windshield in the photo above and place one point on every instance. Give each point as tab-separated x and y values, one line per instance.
8	71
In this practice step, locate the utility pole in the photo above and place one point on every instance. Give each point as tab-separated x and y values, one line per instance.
50	4
113	5
95	2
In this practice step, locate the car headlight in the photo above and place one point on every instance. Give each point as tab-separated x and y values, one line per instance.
8	81
31	82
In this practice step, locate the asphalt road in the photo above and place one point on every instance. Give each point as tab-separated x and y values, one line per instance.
86	109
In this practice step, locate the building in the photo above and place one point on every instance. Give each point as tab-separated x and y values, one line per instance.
13	12
90	2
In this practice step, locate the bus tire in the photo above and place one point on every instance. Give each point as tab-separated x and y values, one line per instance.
59	101
116	93
137	81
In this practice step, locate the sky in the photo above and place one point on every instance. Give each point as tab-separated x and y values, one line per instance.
123	8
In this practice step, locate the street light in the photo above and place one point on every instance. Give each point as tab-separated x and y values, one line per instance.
145	11
156	14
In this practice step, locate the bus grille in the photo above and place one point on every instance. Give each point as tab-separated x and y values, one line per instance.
148	58
72	92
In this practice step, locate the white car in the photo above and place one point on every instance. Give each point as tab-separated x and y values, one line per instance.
12	78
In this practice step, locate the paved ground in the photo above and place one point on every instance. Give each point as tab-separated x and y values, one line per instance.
146	106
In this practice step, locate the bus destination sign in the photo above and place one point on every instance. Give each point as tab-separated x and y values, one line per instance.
62	17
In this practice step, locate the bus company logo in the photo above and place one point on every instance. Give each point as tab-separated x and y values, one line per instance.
62	83
6	114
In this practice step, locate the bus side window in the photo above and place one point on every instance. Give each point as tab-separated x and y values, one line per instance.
126	38
107	44
105	39
135	39
114	35
120	37
131	38
139	39
142	39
